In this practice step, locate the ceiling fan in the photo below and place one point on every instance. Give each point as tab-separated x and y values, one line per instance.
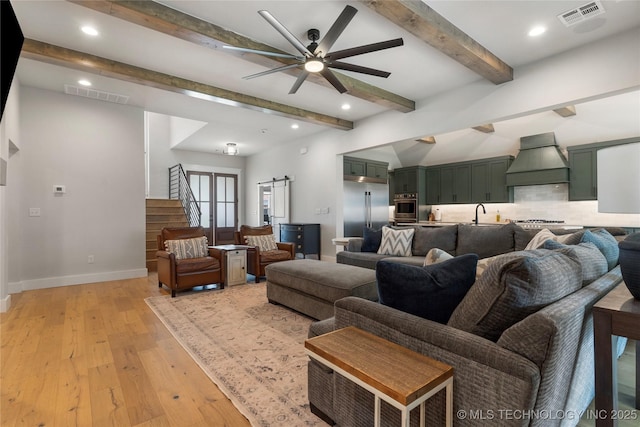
316	57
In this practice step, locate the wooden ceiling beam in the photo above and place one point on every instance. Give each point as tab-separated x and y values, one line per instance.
488	128
44	52
169	21
566	111
427	139
429	26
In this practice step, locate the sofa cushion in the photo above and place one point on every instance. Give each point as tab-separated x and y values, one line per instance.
372	239
188	248
396	242
515	285
606	243
274	255
427	238
431	292
266	242
485	241
594	264
196	265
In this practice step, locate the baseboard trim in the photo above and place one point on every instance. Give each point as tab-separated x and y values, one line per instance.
79	279
5	304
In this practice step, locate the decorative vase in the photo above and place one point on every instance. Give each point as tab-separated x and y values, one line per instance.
630	263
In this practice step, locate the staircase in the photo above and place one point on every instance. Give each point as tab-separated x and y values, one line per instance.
161	213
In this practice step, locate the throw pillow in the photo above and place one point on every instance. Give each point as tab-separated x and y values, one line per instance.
431	292
435	256
188	248
594	264
266	242
427	238
372	240
396	242
606	243
514	286
539	239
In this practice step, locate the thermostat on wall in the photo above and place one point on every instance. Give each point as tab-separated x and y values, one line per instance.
59	189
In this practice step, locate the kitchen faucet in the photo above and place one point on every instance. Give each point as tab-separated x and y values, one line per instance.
483	211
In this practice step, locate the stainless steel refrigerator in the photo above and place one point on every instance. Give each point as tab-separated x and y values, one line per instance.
365	204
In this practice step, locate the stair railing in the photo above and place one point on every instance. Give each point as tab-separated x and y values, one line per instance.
180	189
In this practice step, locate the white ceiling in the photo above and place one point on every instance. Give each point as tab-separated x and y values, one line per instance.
418	71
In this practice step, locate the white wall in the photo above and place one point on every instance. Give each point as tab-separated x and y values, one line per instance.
600	69
95	149
9	140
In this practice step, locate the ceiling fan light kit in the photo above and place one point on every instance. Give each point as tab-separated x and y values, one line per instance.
316	58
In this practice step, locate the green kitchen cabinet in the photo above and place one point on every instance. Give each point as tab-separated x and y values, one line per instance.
433	185
355	167
410	180
455	183
377	170
489	180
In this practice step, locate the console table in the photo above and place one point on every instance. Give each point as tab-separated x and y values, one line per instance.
365	359
616	314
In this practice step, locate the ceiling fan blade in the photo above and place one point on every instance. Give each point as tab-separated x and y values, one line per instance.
301	78
331	78
358	69
286	33
264	52
373	47
336	29
273	70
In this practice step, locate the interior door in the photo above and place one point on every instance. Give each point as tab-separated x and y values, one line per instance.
202	188
226	211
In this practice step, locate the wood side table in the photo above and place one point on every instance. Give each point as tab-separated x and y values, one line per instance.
616	314
234	263
366	359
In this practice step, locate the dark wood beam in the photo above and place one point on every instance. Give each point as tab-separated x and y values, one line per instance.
488	128
178	24
429	26
566	111
427	139
57	55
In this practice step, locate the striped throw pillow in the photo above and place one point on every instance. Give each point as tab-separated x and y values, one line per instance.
188	248
396	242
266	242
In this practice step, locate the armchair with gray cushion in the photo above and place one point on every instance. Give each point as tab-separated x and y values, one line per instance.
258	259
191	263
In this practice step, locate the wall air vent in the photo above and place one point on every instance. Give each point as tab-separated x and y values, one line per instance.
95	94
582	13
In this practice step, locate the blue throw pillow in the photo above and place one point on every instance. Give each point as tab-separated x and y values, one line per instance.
431	292
606	243
372	239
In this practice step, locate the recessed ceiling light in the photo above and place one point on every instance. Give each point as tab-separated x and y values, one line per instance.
89	30
537	30
295	126
84	82
346	106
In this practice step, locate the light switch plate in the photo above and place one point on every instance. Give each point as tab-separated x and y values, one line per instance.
34	211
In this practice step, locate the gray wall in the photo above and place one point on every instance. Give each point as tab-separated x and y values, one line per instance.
95	149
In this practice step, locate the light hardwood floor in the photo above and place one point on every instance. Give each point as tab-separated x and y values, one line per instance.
96	355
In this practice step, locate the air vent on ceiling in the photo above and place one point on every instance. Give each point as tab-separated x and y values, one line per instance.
582	13
96	94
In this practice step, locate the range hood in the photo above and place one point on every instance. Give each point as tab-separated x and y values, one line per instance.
540	161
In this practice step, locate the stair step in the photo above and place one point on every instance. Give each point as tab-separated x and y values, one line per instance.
155	218
152	265
163	203
165	210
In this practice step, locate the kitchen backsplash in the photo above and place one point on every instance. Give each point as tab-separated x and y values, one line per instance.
549	202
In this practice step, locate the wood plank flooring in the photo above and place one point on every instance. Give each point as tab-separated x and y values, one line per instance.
96	355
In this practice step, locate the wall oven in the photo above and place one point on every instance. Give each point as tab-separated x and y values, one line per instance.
406	207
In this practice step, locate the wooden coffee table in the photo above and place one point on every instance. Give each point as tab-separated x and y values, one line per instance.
395	374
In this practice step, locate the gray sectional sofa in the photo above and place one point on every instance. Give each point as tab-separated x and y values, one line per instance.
534	369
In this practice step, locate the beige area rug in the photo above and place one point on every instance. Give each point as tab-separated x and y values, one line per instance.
251	349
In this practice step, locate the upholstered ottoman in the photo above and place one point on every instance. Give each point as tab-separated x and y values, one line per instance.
311	287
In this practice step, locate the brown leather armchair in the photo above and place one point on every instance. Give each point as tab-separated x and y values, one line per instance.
257	260
179	274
